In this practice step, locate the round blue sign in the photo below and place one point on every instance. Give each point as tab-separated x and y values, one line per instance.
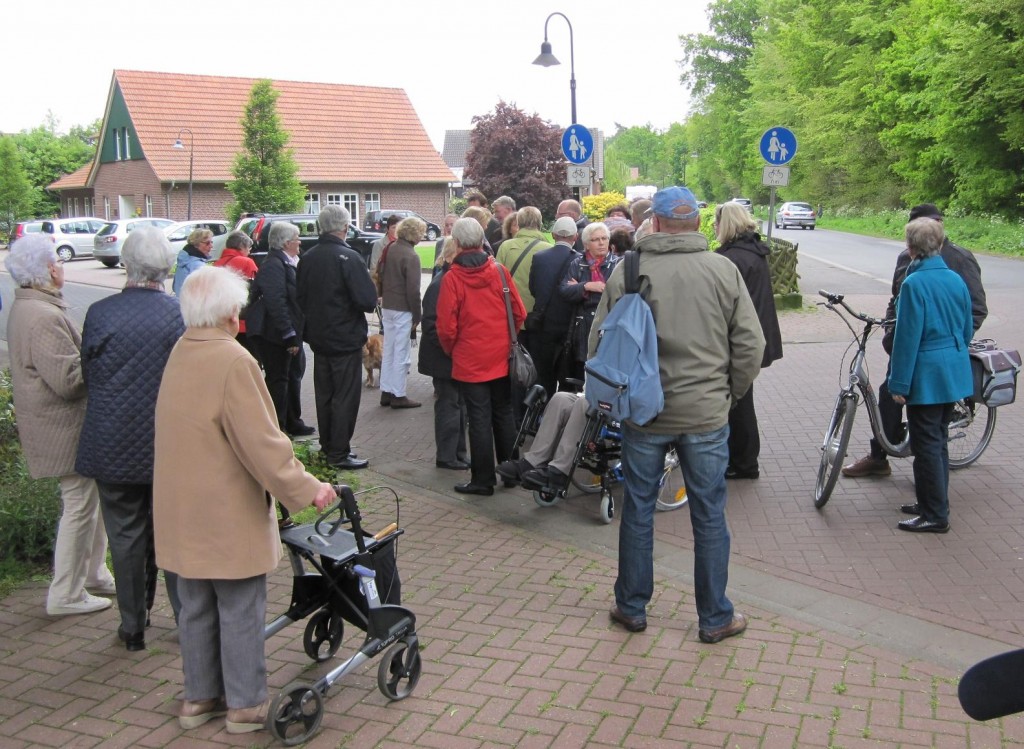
577	144
778	145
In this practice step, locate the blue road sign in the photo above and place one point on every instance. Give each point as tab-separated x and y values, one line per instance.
778	145
577	144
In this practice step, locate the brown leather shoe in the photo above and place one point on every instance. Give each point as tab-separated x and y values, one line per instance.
404	402
195	714
632	623
733	628
868	466
248	719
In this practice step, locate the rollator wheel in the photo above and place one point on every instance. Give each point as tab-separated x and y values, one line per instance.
323	635
546	498
295	714
607	507
399	670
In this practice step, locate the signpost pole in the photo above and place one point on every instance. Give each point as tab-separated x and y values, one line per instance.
771	213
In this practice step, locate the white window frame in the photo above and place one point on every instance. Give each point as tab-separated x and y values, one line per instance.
350	200
106	208
333	198
74	203
117	144
87	206
149	206
371	201
127	143
312	202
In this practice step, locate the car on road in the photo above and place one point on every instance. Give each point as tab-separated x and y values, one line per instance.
378	221
795	214
106	246
255	226
177	234
72	237
26	227
745	202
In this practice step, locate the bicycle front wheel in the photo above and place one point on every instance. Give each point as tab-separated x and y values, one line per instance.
833	450
970	431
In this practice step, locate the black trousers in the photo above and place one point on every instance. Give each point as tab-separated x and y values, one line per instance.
337	382
892	418
283	373
929	432
128	519
449	421
744	438
491	429
544	348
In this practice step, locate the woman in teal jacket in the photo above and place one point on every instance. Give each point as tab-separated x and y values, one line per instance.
931	368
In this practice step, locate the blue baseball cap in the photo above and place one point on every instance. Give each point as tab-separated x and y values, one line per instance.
674	202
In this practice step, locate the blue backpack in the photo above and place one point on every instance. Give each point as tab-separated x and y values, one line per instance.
623	380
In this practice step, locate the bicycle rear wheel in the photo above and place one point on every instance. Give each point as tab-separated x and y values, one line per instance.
671	490
833	450
970	431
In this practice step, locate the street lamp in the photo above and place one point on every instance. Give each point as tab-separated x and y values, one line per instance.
191	158
546	59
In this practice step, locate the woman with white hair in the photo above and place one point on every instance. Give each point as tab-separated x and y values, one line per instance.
582	287
218	452
126	340
194	255
46	373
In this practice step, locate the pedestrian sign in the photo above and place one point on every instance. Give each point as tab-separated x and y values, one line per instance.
577	144
778	145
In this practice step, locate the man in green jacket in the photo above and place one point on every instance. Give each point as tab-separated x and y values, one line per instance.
517	253
709	352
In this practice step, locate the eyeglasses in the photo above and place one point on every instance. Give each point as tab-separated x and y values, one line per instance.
207	241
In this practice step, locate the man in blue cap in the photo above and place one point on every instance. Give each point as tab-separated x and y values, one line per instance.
709	352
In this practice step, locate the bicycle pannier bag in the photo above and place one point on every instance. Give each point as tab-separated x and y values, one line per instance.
623	380
995	373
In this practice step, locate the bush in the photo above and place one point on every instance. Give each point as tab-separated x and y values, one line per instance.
594	206
457	206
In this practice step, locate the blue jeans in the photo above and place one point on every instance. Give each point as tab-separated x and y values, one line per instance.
703	459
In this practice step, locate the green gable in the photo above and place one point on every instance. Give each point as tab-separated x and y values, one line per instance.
120	142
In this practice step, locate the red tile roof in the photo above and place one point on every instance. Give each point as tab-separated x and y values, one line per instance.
339	133
77	178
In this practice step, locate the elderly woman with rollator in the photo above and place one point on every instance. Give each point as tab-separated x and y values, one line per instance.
46	374
930	368
219	457
125	344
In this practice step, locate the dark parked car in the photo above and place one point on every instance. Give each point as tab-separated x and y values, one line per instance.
378	221
256	226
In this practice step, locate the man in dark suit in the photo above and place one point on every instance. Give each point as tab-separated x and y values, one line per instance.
551	315
275	323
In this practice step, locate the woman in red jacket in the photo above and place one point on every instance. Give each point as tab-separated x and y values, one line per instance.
472	326
236	257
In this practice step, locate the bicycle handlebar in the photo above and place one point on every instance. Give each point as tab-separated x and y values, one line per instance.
834	299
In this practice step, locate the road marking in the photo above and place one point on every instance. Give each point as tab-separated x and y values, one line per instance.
865	274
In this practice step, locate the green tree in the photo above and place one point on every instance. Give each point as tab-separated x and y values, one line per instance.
265	171
47	155
519	155
15	189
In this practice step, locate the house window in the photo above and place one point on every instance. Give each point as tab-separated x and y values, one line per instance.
351	201
106	208
117	144
127	145
313	202
371	201
334	198
74	207
149	206
87	206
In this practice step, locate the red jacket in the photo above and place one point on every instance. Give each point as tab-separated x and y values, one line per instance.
472	324
244	265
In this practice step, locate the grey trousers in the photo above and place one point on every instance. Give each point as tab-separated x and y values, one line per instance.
449	421
221	636
561	428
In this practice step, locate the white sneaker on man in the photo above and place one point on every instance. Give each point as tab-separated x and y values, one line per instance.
87	605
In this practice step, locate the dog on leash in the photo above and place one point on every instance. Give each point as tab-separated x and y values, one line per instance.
373	351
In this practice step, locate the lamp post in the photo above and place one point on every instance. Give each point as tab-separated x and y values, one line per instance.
180	145
546	59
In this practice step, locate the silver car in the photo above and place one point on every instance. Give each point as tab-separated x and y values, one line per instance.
109	239
72	237
795	214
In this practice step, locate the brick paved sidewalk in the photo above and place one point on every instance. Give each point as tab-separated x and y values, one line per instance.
518	651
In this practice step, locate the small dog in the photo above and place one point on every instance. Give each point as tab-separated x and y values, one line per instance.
373	350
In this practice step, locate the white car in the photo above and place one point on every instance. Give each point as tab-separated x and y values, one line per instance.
106	247
795	214
745	202
177	234
73	237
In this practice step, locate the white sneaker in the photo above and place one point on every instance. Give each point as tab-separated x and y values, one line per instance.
87	605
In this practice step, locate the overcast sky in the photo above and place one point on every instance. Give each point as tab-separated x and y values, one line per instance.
454	59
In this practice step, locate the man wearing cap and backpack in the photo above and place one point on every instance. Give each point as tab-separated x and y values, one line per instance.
710	346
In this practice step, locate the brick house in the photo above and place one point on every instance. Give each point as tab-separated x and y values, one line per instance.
358	146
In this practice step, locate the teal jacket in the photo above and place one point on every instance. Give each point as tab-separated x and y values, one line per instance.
930	362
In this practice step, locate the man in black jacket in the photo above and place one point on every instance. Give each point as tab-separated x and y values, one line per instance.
335	292
274	323
962	262
549	322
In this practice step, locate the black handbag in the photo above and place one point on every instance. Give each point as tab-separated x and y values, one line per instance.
521	369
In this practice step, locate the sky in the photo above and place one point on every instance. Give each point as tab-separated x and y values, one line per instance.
454	59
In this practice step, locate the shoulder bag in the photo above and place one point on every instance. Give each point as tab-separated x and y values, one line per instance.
521	369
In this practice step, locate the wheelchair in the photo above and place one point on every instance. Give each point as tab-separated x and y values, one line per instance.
597	462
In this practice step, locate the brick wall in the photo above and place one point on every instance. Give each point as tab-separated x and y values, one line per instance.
430	201
208	201
131	179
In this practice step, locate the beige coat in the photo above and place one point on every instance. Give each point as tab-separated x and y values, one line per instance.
46	369
217	446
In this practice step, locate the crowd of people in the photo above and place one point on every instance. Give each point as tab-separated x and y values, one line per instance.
164	402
